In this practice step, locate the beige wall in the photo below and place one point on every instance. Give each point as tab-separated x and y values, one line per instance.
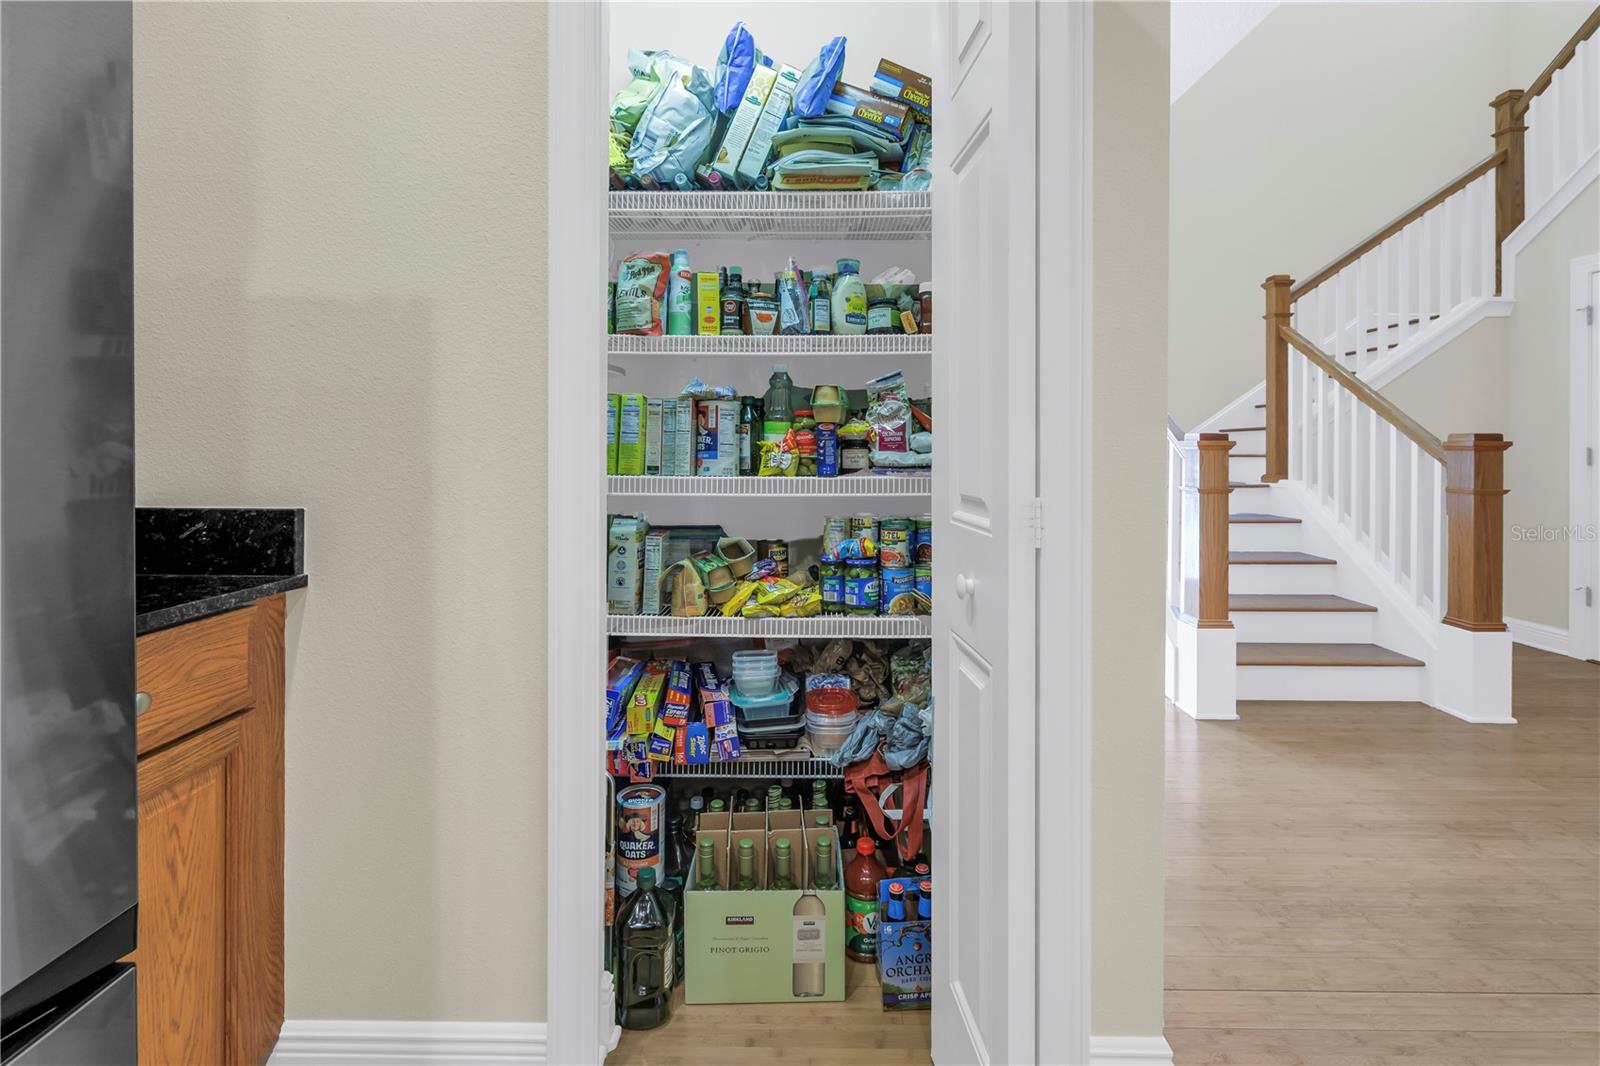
339	215
1462	387
1540	365
1325	122
1130	462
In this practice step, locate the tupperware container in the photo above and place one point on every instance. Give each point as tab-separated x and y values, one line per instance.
756	672
827	734
832	702
754	707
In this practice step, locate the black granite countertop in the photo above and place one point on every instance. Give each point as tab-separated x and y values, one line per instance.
195	562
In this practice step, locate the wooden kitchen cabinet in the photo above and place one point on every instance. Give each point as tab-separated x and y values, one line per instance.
210	949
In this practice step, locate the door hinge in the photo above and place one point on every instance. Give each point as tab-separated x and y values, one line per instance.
1588	315
1588	595
1588	457
1036	519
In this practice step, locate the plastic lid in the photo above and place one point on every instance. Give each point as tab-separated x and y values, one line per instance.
865	846
647	878
849	266
780	368
680	253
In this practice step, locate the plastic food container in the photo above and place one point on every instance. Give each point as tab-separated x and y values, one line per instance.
755	707
827	735
832	702
756	672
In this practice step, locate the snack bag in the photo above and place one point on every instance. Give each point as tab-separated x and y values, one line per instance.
641	286
780	458
889	414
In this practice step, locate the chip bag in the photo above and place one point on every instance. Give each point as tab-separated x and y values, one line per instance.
779	458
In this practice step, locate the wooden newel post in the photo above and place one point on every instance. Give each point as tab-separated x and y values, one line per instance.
1277	288
1508	176
1205	529
1474	487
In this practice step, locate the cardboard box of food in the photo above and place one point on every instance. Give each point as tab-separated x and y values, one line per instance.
625	564
716	449
762	946
773	113
632	416
904	84
743	125
905	953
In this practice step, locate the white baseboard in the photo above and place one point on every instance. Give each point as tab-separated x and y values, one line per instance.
1129	1051
1538	635
342	1043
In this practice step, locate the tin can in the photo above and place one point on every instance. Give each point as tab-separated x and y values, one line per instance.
864	525
922	541
894	543
827	449
778	552
641	833
925	582
830	581
899	590
835	528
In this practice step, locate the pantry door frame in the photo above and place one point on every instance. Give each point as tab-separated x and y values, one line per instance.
579	1010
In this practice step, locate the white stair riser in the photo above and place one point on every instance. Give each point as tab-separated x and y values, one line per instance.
1337	683
1265	537
1249	440
1275	578
1251	501
1247	468
1304	627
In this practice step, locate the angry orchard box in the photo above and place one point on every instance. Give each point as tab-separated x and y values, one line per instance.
905	943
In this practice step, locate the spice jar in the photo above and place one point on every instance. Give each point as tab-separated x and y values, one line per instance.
926	299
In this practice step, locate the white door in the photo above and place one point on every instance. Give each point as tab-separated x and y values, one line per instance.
985	831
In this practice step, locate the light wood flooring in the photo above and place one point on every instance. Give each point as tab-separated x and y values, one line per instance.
856	1032
1372	884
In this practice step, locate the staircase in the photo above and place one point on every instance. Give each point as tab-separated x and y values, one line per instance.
1322	544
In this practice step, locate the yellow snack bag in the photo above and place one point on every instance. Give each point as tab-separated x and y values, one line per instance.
772	593
741	596
779	458
808	604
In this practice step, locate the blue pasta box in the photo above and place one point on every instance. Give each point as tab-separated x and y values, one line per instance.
905	943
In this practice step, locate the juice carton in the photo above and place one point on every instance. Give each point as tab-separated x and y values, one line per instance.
625	564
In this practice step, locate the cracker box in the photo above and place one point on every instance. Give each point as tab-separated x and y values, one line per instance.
904	84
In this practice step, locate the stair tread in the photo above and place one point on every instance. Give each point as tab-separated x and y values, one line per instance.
1268	654
1255	518
1243	429
1248	485
1273	601
1247	455
1277	559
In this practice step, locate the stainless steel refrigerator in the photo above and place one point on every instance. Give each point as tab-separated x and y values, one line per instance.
68	815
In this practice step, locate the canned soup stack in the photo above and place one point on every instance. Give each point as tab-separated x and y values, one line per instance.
873	566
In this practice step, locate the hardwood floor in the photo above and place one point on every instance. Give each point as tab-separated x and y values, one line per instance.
1374	884
857	1031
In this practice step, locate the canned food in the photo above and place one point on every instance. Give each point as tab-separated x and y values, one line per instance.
778	552
899	590
861	592
835	528
864	525
894	543
922	541
830	581
641	833
925	582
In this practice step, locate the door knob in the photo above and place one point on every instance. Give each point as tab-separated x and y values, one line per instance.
965	586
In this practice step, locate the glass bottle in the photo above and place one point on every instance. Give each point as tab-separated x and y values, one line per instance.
823	880
782	863
645	940
707	860
747	865
821	295
733	302
810	947
819	795
717	806
752	806
774	794
777	408
749	433
823	821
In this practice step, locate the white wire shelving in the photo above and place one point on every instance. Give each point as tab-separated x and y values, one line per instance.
847	487
889	216
756	764
825	627
626	344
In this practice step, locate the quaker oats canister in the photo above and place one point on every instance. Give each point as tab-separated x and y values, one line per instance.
641	833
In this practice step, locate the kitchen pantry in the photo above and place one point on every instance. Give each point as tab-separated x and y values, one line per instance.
816	781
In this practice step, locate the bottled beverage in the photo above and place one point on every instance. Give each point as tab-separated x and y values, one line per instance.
925	901
752	806
785	803
707	865
849	300
680	183
747	866
677	857
717	806
849	819
733	303
645	940
791	304
774	794
749	433
896	909
861	879
810	948
822	821
821	296
782	878
680	290
819	795
777	408
697	806
823	879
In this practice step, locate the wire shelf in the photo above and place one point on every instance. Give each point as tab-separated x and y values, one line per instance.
663	625
624	344
848	486
858	215
755	764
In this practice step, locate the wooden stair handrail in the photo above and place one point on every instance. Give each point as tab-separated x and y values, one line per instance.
1477	171
1380	404
1563	57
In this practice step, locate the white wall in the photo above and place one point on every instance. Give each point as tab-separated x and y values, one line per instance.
1129	507
340	232
1322	124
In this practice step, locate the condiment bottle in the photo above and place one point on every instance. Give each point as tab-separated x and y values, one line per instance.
849	310
861	879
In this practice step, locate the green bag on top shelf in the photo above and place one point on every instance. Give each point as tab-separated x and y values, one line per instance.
649	70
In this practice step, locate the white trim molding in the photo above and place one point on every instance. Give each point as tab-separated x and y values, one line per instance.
1129	1051
1540	217
1538	635
346	1043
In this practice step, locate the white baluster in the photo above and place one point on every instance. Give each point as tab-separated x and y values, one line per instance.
1323	462
1462	234
1336	450
1436	483
1414	579
1426	274
1588	60
1363	269
1384	304
1340	312
1394	503
1567	134
1446	228
1485	214
1372	480
1403	289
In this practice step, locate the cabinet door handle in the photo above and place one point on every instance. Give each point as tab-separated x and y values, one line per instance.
141	704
